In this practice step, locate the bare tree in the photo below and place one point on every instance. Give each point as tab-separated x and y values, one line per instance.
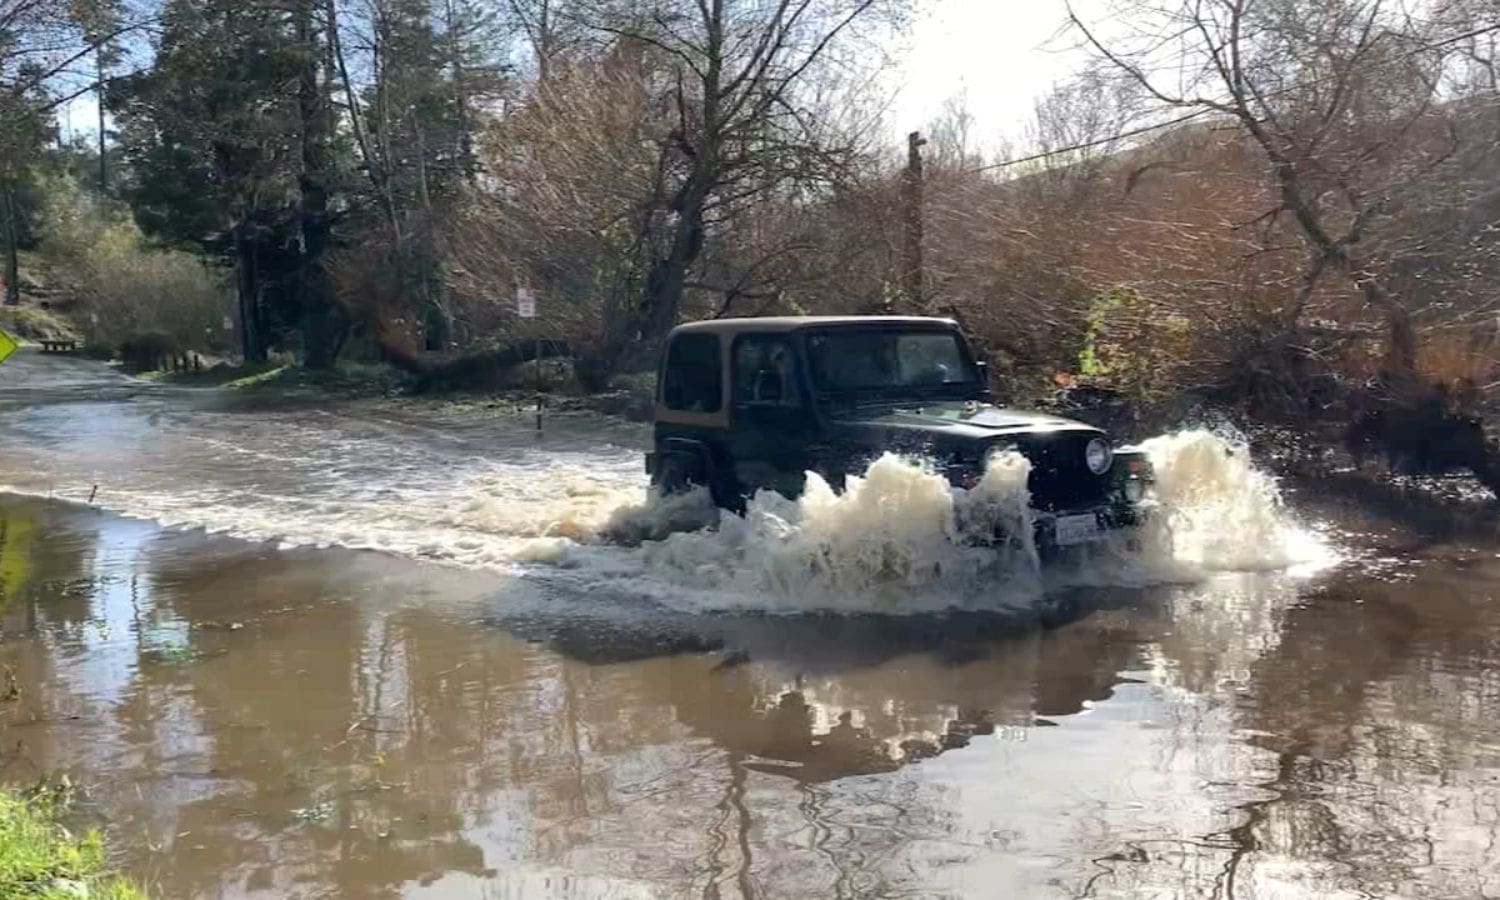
572	176
551	29
1076	120
738	79
1343	99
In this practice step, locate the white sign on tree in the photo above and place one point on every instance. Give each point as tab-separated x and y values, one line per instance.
525	303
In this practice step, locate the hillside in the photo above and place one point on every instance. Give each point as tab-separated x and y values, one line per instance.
44	309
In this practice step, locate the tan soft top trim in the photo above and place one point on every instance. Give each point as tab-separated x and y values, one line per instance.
794	323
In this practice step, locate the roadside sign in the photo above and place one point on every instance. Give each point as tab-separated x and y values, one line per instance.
8	345
525	303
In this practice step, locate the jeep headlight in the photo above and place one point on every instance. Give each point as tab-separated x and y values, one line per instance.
1099	456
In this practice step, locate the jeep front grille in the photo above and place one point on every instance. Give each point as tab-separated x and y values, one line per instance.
1060	476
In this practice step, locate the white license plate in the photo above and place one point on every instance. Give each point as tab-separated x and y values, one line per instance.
1077	529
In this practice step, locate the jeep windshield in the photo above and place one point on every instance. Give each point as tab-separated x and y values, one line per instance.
891	364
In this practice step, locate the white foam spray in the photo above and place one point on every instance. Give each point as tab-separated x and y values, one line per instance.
900	539
896	539
1223	513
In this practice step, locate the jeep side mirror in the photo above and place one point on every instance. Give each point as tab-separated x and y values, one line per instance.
983	369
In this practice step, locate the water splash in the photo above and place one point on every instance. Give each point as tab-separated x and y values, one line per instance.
900	539
1223	513
896	539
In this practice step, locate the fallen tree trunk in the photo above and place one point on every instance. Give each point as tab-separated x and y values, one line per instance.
474	370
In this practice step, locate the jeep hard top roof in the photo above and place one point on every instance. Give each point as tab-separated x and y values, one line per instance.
796	323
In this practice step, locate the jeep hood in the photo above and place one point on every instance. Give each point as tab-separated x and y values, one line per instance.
957	420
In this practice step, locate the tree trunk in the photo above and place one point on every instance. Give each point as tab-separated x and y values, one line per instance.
665	282
464	138
247	285
99	96
542	44
8	219
374	167
1401	352
320	333
634	336
472	370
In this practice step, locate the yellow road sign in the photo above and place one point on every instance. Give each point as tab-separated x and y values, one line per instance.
8	345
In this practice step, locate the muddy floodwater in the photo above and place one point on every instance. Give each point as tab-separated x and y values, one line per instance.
376	651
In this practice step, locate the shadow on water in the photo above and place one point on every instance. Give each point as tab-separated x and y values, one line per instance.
815	641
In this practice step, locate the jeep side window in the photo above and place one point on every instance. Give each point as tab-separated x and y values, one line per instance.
765	372
694	379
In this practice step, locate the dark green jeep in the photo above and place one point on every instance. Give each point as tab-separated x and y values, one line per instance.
749	404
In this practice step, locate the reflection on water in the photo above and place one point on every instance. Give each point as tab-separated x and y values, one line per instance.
254	721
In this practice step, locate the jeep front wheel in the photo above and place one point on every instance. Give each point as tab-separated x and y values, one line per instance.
678	474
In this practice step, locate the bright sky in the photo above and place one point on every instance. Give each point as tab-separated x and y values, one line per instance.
81	116
1001	55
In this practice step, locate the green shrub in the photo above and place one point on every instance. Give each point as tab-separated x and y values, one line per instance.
123	288
41	859
1134	344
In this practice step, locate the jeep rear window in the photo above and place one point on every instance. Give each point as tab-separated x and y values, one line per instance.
886	359
694	379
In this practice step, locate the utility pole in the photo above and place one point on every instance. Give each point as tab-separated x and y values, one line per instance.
911	190
99	93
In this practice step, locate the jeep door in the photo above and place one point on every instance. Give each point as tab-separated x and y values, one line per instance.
773	421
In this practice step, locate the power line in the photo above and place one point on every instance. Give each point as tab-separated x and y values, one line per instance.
1095	143
1196	114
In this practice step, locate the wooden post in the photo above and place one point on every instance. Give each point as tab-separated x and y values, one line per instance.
911	285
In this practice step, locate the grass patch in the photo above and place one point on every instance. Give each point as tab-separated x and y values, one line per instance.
32	323
348	379
39	858
260	375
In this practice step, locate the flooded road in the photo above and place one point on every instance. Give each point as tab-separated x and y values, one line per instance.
514	696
